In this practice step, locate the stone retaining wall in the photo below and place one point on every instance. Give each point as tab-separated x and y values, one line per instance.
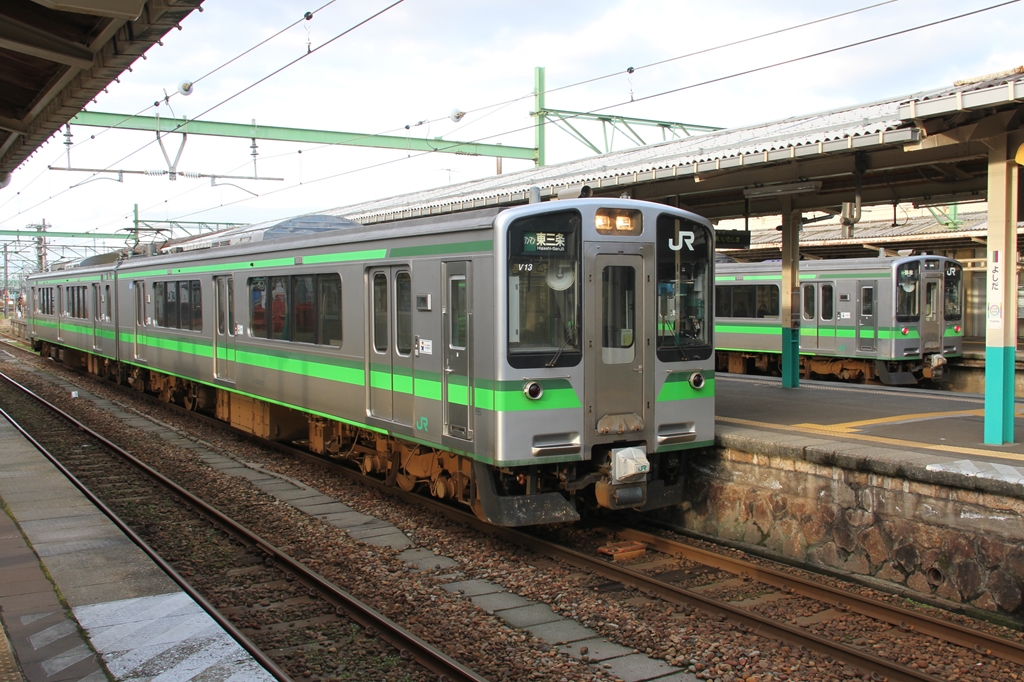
956	543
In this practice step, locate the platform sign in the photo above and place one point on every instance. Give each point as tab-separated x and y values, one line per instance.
732	239
995	286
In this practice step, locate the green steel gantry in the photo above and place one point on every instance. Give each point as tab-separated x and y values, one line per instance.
261	132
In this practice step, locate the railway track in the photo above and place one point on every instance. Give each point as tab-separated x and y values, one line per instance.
315	614
992	657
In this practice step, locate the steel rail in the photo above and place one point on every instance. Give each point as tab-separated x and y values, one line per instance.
751	621
408	644
865	661
226	624
905	619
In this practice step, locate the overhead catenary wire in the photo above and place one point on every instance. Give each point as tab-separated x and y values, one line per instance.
305	17
506	103
647	97
497	107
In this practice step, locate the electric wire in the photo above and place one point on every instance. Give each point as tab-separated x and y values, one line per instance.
305	17
501	105
228	99
648	97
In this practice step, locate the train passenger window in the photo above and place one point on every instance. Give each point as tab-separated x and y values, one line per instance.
380	312
304	298
808	292
931	300
908	276
107	304
544	294
329	332
140	304
231	306
618	314
867	301
403	313
197	306
257	307
184	306
171	307
460	312
827	302
280	322
952	306
684	254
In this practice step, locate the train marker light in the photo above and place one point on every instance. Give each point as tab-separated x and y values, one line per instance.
904	331
956	328
533	390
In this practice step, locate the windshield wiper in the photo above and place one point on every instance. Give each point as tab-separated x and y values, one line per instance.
569	334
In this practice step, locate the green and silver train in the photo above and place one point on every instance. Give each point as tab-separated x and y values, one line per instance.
895	320
531	362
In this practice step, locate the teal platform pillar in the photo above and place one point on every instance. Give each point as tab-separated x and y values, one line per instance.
790	294
1001	291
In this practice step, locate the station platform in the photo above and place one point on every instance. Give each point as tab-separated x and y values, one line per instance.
80	601
924	435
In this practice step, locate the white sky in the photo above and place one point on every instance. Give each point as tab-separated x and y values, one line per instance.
423	58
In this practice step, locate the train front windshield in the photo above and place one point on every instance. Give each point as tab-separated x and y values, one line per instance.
543	291
684	253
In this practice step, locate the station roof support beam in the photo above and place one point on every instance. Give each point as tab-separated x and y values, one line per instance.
261	132
1004	189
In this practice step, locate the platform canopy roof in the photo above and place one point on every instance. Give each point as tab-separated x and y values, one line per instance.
57	55
921	234
923	147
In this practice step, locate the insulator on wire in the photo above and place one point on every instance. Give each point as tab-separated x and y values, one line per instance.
157	172
190	174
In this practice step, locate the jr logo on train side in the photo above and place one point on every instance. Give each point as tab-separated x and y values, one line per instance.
684	238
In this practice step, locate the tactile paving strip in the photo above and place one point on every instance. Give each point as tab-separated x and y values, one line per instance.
9	671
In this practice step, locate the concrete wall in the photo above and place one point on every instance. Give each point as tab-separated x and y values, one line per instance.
865	511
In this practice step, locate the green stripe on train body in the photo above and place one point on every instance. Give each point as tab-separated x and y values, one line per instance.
677	387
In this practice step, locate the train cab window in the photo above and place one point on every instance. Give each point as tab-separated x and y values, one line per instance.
618	314
808	295
403	313
685	253
952	305
542	273
827	301
329	308
380	312
305	309
908	280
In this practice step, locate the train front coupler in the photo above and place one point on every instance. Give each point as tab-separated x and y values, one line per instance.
934	367
624	484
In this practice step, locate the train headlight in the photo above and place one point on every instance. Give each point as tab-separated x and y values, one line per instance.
904	331
697	381
618	221
533	390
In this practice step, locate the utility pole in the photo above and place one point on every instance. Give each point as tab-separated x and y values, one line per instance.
6	314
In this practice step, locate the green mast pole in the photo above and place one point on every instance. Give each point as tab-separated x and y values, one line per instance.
538	107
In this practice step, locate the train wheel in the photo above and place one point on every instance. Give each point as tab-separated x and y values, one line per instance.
441	487
405	482
191	397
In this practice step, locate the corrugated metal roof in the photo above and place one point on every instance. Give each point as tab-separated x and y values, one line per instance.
869	125
876	230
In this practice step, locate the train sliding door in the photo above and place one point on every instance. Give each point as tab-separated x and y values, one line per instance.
456	379
616	323
224	336
867	320
818	317
931	320
390	360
